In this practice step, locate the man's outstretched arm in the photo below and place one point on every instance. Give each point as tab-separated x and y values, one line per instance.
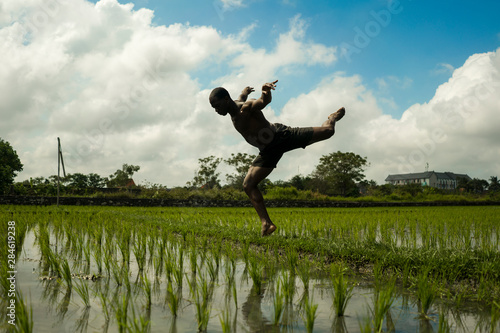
244	94
266	96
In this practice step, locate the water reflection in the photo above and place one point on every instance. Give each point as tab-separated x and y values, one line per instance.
252	312
338	325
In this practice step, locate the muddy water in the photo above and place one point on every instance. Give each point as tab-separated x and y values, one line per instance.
57	310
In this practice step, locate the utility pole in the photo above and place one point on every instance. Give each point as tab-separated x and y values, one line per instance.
59	162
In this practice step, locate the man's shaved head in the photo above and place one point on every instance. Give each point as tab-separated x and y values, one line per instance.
218	93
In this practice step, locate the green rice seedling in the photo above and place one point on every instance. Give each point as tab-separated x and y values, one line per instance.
146	287
443	325
169	268
495	316
304	270
287	281
24	315
225	321
342	292
125	277
116	272
217	251
108	257
138	325
366	327
235	296
309	314
229	271
212	269
382	302
140	253
158	266
203	253
66	274
178	276
192	284
406	274
202	302
293	259
124	246
279	303
53	262
121	311
193	259
98	258
426	291
151	244
180	258
245	251
82	289
173	299
255	272
104	304
86	252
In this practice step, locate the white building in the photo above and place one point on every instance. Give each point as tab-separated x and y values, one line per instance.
441	180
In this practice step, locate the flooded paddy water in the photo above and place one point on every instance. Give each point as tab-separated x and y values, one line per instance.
79	271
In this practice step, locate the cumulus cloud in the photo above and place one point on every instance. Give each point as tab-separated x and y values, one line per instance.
292	48
457	130
118	89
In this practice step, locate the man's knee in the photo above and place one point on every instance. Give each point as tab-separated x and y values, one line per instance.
329	132
247	186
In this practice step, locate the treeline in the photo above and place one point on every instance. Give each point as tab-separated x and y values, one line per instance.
338	176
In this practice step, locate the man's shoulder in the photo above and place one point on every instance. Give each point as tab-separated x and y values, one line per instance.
248	105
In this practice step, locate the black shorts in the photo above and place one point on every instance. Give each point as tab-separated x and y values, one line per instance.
285	138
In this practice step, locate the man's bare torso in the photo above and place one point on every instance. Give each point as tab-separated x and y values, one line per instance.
252	125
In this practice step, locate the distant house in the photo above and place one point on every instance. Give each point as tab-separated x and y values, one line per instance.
441	180
130	183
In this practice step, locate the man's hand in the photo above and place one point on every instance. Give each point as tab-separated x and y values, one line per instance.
247	91
244	93
268	86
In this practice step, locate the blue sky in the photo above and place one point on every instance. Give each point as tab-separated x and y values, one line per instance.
414	53
128	82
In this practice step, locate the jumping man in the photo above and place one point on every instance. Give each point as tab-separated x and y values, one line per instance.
273	140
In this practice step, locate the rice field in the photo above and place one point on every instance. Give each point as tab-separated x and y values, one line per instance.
108	269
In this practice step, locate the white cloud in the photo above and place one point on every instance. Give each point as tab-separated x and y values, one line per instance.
292	49
443	69
231	4
117	89
457	130
454	131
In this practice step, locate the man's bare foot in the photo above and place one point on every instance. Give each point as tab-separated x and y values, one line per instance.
267	229
336	116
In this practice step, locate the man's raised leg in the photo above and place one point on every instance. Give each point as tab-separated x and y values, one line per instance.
254	176
327	129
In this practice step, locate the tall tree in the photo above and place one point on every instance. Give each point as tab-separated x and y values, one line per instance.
337	173
494	185
477	185
124	176
10	164
206	176
241	162
96	181
79	180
